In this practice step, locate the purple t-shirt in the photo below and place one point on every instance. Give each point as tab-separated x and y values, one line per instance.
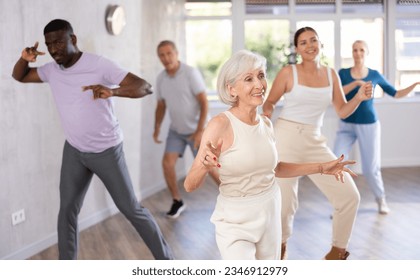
89	125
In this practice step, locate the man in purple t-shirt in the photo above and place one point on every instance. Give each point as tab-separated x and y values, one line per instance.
83	85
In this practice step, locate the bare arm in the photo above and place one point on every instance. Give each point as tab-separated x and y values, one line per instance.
21	71
343	107
131	86
159	115
208	153
334	167
349	87
204	109
403	92
281	84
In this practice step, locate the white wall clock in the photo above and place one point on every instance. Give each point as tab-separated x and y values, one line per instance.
115	19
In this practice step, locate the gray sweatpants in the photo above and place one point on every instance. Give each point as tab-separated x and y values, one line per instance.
76	173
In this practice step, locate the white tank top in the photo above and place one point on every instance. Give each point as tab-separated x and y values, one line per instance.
247	167
305	104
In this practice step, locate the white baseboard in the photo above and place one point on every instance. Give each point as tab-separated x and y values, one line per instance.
40	245
32	249
388	163
400	162
151	190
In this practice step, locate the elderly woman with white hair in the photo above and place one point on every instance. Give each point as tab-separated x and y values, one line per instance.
240	144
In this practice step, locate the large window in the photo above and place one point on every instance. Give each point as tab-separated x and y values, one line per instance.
391	29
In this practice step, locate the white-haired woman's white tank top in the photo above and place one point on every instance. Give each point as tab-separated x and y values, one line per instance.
247	167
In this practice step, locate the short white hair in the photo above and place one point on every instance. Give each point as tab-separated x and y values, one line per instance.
241	62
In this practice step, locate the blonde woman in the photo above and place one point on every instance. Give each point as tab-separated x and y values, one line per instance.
363	125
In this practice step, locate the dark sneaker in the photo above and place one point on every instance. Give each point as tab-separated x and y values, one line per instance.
177	208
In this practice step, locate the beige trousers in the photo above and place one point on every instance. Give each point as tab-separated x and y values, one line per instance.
246	227
300	143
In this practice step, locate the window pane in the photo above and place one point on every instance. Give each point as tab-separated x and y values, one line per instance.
363	6
270	38
362	2
210	8
408	6
325	30
273	7
209	44
315	6
371	31
407	39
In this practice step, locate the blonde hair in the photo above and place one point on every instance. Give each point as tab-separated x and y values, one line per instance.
363	43
241	62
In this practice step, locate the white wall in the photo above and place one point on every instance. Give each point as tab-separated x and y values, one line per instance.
31	136
400	137
166	24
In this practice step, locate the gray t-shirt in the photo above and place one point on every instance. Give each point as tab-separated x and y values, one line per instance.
179	93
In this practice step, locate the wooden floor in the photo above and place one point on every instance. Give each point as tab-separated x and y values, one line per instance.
375	237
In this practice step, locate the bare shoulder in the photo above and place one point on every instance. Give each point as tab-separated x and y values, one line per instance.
282	83
219	122
334	75
218	128
286	71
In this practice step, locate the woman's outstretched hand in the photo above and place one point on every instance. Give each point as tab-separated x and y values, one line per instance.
337	168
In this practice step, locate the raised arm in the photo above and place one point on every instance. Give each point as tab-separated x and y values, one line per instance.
281	84
208	154
131	86
21	71
403	92
342	107
349	87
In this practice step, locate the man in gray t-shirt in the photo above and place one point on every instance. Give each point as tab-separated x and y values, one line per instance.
180	88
